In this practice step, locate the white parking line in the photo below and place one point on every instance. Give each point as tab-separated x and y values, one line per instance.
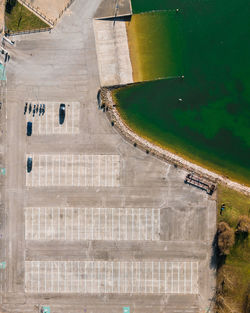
99	224
58	168
48	123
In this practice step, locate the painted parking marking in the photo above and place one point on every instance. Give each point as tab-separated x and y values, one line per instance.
91	223
48	124
63	170
108	277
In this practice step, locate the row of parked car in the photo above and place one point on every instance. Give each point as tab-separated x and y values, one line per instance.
62	111
36	108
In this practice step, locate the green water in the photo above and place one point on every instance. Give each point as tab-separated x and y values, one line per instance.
211	123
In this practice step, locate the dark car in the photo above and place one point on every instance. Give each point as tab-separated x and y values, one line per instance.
61	113
29	164
29	128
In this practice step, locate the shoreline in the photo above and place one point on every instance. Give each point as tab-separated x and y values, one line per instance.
155	150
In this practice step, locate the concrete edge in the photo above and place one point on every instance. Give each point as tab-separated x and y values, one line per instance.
112	17
155	150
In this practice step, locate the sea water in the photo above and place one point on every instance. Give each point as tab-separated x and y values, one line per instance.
201	108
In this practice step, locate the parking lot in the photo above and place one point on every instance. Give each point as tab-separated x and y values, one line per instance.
111	277
48	123
74	170
92	224
97	224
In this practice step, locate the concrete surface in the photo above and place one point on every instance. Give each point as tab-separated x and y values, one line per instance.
61	66
113	8
117	277
92	224
48	123
112	52
84	170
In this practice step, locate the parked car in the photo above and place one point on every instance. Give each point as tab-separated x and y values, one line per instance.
29	128
61	113
29	164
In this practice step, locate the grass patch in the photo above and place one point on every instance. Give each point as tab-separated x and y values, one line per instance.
234	275
237	204
19	18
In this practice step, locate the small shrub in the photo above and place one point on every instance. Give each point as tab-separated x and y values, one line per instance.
226	238
9	5
135	144
243	224
246	304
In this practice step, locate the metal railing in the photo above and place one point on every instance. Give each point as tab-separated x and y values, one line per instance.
65	8
37	12
41	15
23	32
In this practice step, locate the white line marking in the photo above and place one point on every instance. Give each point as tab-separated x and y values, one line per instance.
178	277
65	224
159	222
78	223
191	282
72	223
85	277
59	221
105	277
112	228
152	277
165	276
152	223
39	170
59	169
172	280
32	222
46	170
92	224
159	277
85	223
79	170
72	168
45	276
52	228
132	224
185	264
139	224
45	224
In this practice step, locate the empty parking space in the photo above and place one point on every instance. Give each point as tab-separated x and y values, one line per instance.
92	224
74	170
111	277
48	123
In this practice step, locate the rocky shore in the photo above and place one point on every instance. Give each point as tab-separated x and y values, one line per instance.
113	115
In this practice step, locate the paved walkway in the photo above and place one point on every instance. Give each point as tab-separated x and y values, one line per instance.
2	10
112	52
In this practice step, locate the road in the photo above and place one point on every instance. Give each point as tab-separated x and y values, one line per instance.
97	225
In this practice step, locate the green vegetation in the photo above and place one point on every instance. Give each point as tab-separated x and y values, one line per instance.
236	204
18	18
233	278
